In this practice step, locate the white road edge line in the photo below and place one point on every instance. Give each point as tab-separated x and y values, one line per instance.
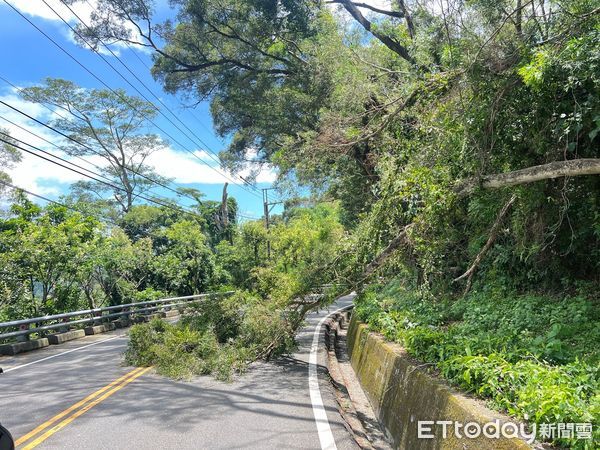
323	428
63	353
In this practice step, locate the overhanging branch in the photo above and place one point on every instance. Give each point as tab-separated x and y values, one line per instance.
390	43
571	168
385	12
556	169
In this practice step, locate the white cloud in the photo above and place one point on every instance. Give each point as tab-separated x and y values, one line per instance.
32	109
80	11
380	4
32	173
45	178
42	177
37	8
185	168
267	175
266	172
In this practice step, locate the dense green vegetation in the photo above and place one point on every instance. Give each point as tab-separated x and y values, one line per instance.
54	259
223	335
459	143
533	356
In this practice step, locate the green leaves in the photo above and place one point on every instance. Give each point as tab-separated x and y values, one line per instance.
108	124
185	265
533	72
44	254
500	347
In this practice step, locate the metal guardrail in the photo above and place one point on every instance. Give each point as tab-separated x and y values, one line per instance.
97	314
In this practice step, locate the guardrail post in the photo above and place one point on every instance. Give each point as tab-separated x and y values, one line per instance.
24	337
66	327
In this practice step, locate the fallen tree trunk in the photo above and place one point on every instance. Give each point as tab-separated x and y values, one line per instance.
490	241
394	244
556	169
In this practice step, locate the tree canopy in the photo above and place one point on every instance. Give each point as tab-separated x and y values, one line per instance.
111	125
450	151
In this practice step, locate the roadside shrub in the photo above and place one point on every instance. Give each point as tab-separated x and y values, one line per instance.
221	336
534	357
143	339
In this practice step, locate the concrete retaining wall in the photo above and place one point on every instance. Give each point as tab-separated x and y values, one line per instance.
402	394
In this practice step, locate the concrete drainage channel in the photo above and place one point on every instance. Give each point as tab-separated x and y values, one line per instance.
354	406
383	394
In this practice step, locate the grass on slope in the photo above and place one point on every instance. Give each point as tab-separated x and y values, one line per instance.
534	357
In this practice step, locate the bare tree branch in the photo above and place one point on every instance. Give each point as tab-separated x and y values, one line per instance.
491	239
389	42
396	14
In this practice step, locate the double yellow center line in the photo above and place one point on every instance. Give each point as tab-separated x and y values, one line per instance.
44	431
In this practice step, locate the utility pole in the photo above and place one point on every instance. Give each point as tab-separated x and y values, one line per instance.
268	207
225	214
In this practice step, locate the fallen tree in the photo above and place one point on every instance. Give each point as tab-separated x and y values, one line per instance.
570	168
556	169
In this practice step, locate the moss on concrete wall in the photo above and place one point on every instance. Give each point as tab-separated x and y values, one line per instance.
402	394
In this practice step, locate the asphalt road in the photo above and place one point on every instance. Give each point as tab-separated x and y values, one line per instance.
80	395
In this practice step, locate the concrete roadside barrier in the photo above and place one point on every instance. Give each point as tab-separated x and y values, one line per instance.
20	347
60	338
417	410
97	329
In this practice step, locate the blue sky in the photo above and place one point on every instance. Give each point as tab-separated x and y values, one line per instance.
29	57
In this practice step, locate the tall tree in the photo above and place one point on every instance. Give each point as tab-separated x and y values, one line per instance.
107	124
9	156
251	58
401	112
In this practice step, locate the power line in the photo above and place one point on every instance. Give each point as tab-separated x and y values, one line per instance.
85	213
216	157
25	94
146	177
76	141
202	143
114	92
8	136
41	197
210	153
48	142
244	216
134	53
111	185
22	92
189	110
